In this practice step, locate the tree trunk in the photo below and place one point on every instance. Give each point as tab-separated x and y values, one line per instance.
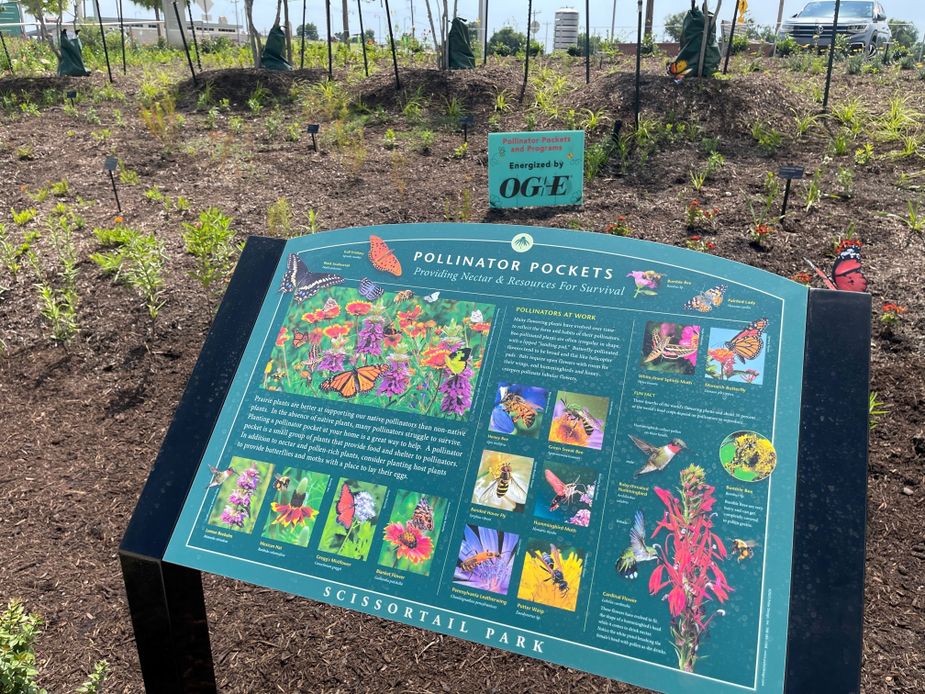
256	45
650	11
346	15
433	31
157	18
288	32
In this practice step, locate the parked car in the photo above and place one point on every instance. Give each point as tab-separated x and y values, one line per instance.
863	23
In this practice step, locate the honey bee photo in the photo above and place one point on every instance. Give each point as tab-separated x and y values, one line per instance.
518	410
502	481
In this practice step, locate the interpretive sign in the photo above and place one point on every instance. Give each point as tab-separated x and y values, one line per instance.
576	447
10	18
536	169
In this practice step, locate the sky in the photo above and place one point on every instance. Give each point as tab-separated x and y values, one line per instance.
504	13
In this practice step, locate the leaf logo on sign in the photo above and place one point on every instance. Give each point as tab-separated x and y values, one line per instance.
522	242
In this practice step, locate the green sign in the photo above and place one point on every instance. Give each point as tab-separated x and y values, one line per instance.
10	13
571	446
536	169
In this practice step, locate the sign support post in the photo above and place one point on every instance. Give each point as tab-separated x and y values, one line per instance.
587	41
638	57
485	37
523	88
122	35
327	19
788	173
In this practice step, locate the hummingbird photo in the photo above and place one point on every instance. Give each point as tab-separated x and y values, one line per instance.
659	456
219	476
638	551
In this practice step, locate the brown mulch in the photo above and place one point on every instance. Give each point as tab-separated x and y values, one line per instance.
82	425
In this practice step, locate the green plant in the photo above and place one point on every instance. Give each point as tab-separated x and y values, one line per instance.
914	220
212	117
279	218
211	243
389	140
864	154
596	157
425	141
502	103
94	682
11	253
845	179
18	631
293	133
839	145
876	409
814	189
619	227
805	123
56	275
698	179
313	225
462	151
137	260
851	115
696	217
23	217
273	124
767	139
60	189
128	177
162	120
25	153
413	109
236	125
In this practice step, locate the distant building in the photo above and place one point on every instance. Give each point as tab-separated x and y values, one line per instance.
144	31
566	29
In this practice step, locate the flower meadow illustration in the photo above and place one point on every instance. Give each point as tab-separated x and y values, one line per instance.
578	420
670	347
688	567
728	359
240	495
412	532
352	519
551	575
502	481
518	410
646	281
747	456
566	494
295	508
486	559
397	351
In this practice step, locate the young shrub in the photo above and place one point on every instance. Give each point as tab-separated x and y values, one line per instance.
279	218
211	243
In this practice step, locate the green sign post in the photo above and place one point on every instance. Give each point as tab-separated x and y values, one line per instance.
571	446
10	13
536	169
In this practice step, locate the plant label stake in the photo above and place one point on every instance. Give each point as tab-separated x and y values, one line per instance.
110	166
72	97
587	42
185	44
828	74
327	18
9	61
523	88
302	37
788	173
466	121
312	130
103	37
122	35
485	36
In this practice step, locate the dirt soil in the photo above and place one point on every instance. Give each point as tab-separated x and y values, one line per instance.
82	424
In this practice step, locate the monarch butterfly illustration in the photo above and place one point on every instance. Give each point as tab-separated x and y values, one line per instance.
299	339
423	516
346	506
679	69
359	380
382	257
747	344
708	300
302	282
370	290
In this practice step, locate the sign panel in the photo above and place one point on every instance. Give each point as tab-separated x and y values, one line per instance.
10	13
572	446
536	169
791	172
